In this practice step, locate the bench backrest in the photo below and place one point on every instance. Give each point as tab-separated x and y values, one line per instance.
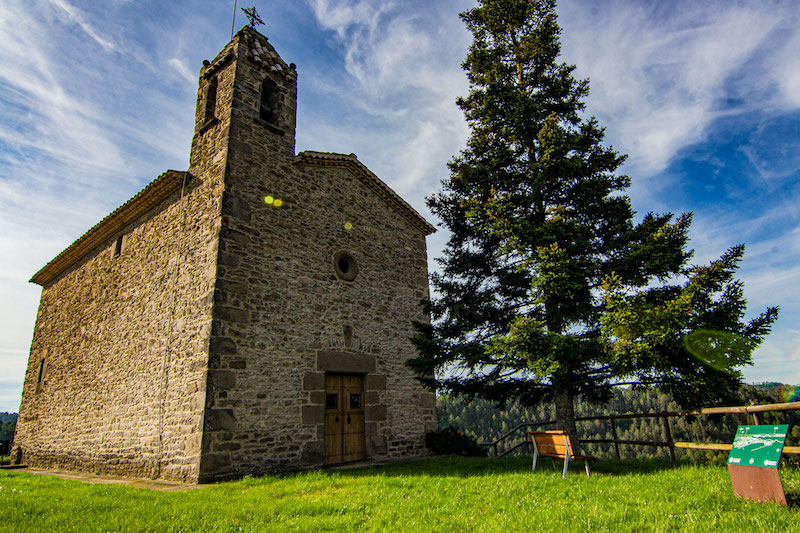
553	442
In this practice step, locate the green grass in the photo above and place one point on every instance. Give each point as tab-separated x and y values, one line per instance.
447	494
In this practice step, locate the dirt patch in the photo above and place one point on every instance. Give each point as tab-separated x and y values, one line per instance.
152	484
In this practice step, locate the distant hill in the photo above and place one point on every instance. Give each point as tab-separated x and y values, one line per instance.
483	421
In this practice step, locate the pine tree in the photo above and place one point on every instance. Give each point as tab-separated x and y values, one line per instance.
548	290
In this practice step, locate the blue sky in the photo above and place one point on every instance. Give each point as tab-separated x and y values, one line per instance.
97	99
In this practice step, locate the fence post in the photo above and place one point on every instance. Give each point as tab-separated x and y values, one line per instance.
668	436
614	435
755	416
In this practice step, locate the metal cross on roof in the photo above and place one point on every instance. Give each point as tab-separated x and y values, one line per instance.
252	14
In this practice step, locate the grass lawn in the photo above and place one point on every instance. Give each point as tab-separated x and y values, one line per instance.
444	494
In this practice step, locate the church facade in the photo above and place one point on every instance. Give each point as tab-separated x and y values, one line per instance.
249	315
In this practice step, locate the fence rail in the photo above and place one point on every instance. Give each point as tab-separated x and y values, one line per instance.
668	443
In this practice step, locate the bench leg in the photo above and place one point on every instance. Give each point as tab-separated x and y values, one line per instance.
588	472
566	466
535	457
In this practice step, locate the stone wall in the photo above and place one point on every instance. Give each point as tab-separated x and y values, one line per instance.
123	341
125	338
199	351
282	317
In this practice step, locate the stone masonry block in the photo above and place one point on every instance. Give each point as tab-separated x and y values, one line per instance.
222	379
226	259
220	420
374	413
221	346
314	381
235	207
312	453
317	397
232	314
345	362
375	382
313	414
231	286
371	398
427	399
215	464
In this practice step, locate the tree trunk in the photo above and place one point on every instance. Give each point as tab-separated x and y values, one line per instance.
565	414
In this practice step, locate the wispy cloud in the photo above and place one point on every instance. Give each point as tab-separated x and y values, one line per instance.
76	16
95	110
405	69
182	70
661	73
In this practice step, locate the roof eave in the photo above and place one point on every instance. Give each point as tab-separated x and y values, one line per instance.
371	180
143	201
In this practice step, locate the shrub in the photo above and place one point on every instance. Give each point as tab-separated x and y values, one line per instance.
451	440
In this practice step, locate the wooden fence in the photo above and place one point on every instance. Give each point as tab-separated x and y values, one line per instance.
747	410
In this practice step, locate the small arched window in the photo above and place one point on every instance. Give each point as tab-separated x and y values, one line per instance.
268	109
211	99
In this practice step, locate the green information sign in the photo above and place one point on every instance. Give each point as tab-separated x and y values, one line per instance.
758	445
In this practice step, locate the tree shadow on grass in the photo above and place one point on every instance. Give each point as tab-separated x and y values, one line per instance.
478	466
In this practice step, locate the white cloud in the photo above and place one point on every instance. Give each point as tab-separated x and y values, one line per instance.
404	74
89	118
182	70
42	114
660	72
77	17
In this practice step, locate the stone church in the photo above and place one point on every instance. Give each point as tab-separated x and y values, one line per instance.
248	315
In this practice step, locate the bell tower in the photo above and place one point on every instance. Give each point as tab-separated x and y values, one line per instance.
246	110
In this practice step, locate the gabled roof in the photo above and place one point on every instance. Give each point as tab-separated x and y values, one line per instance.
263	52
143	201
370	180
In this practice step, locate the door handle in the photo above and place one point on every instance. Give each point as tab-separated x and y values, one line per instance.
348	419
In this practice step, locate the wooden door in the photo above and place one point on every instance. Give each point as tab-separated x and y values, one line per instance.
344	418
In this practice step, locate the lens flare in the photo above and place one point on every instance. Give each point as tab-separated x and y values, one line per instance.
721	350
268	200
790	393
348	226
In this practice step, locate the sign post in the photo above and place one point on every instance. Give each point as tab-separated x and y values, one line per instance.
753	462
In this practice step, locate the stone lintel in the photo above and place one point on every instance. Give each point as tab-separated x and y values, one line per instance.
346	362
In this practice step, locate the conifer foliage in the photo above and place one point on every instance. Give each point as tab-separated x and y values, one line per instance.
548	290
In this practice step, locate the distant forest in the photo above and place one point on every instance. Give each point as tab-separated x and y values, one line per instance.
484	422
7	423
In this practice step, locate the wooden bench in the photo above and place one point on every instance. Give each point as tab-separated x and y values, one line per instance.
556	444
